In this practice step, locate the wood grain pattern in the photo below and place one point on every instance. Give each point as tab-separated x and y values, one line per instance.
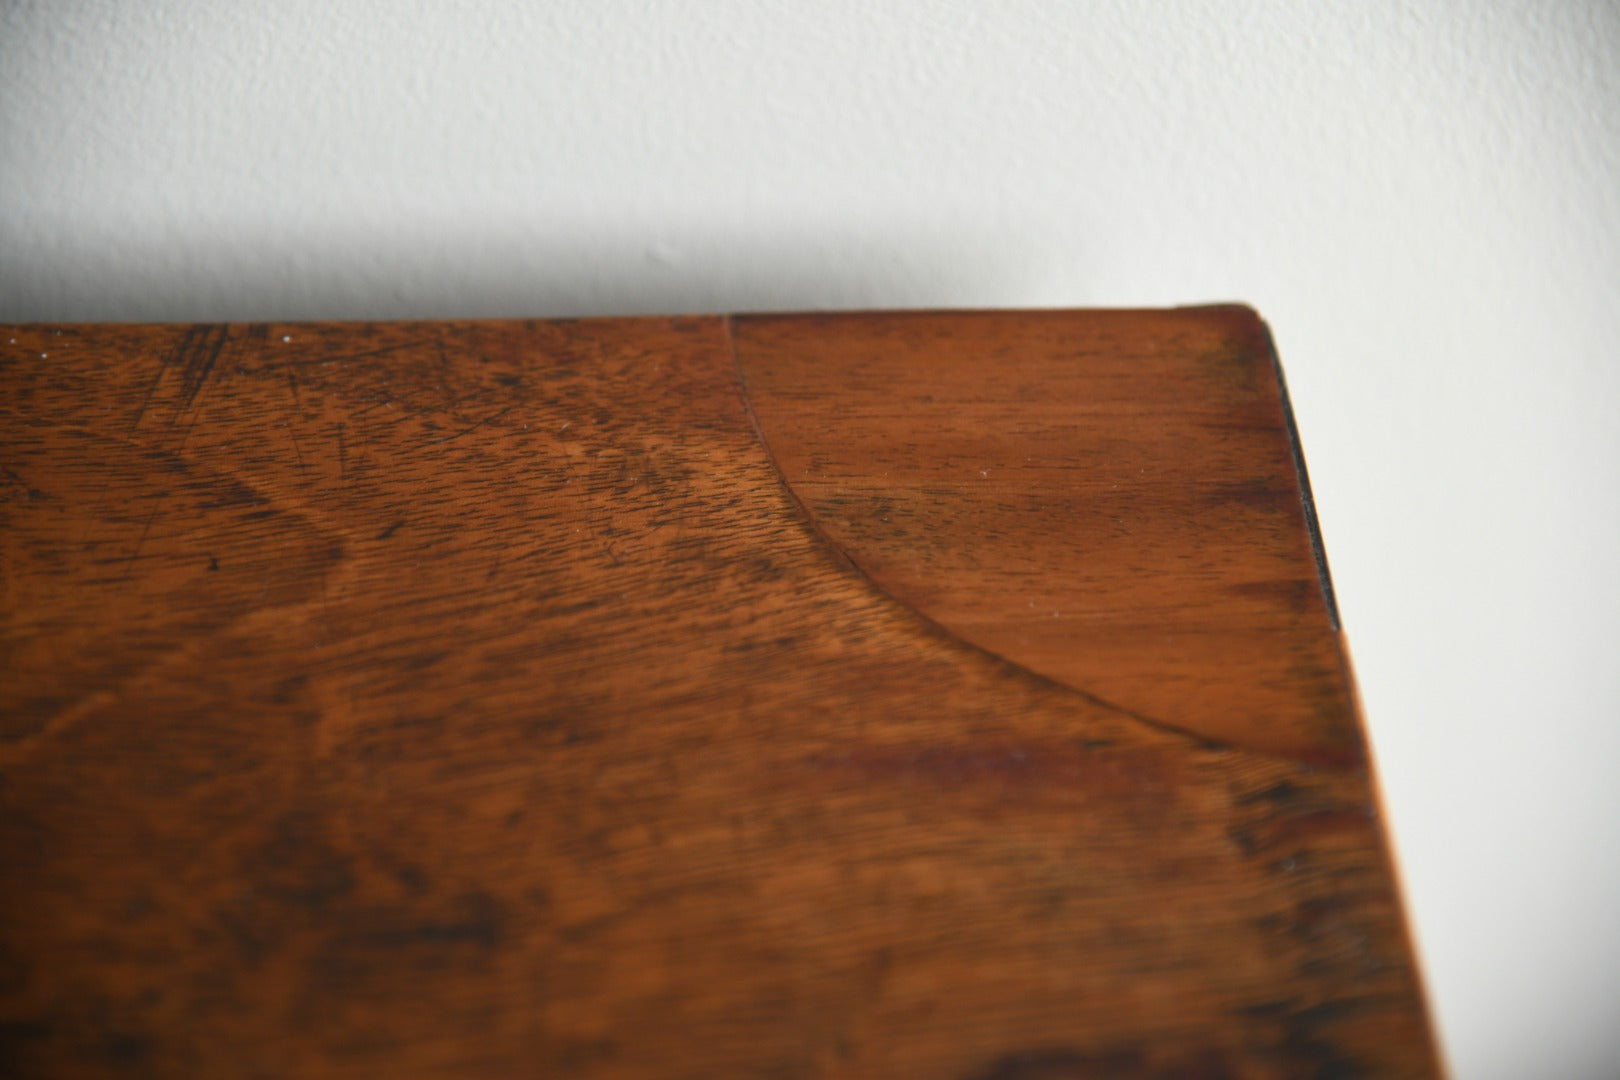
475	699
1011	480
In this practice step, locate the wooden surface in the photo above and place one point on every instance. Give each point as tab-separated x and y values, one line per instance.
477	700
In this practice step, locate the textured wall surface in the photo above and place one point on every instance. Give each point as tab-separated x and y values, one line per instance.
1423	199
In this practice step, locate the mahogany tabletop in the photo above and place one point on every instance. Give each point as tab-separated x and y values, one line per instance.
911	694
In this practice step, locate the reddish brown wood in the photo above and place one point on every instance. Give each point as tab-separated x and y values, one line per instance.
475	699
1016	481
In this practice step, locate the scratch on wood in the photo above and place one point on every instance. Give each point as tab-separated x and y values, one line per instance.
198	353
444	374
141	542
341	358
157	377
490	419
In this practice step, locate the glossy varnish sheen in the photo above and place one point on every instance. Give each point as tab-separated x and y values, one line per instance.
880	695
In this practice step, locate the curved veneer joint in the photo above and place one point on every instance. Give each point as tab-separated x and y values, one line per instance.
1110	500
853	565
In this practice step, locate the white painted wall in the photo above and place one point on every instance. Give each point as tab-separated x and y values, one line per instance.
1423	198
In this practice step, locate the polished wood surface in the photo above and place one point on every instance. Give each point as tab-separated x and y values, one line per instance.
1015	481
492	699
